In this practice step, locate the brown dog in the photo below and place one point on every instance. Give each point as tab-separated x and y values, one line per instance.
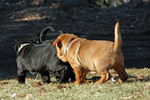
92	55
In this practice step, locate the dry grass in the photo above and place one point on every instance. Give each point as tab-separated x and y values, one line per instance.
133	89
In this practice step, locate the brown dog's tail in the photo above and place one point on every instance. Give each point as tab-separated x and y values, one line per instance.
118	39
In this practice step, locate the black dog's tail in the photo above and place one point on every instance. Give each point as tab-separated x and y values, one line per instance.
44	32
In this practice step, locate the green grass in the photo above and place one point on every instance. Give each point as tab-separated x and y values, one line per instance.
133	89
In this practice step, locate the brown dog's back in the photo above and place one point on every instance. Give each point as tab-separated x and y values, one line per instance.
102	53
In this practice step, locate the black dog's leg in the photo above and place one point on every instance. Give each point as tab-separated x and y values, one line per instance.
45	76
63	79
72	76
21	76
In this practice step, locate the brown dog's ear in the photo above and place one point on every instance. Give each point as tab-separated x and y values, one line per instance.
58	42
54	42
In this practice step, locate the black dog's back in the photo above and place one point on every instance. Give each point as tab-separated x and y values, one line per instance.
34	57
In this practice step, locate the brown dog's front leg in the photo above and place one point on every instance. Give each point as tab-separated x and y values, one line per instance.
80	75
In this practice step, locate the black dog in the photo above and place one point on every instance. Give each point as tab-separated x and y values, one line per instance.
34	55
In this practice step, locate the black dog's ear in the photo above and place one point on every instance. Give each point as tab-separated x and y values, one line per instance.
36	40
60	32
16	49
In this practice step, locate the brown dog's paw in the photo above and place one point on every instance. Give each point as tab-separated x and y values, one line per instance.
88	81
77	83
120	81
37	84
98	82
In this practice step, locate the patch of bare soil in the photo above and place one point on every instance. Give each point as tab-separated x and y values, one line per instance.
18	21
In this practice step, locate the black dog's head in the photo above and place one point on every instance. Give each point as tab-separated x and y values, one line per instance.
63	72
26	41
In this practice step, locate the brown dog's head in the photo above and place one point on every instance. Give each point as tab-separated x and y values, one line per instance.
61	45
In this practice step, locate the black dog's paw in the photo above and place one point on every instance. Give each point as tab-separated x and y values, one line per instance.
72	76
45	79
45	76
63	79
21	79
73	79
21	82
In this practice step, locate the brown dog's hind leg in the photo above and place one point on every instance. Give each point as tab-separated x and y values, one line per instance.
105	76
85	80
123	76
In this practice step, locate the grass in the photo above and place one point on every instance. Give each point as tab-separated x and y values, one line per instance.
133	89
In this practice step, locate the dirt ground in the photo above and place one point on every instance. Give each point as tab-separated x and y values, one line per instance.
18	21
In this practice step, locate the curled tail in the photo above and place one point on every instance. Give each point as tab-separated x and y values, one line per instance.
118	39
44	32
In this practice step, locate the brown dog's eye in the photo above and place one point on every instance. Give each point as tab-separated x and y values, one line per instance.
59	54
